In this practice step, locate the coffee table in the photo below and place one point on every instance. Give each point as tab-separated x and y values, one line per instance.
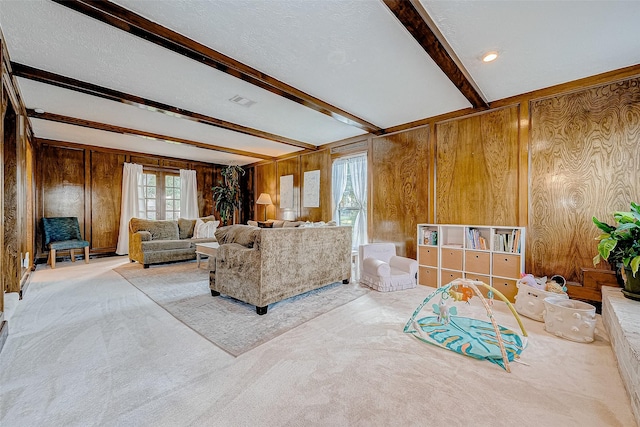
208	249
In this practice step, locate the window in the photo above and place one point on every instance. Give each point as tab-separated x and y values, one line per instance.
349	206
349	192
172	197
160	195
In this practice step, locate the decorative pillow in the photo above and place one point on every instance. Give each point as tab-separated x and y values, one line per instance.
205	230
252	223
186	228
208	218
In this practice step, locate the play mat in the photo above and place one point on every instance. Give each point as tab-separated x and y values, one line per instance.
472	337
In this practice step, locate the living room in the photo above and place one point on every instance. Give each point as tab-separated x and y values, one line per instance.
548	158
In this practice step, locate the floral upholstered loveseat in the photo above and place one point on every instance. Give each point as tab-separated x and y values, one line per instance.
261	266
156	241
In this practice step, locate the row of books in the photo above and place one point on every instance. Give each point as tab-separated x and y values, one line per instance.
507	241
429	237
475	240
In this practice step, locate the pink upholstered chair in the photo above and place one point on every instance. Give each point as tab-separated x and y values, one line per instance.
382	270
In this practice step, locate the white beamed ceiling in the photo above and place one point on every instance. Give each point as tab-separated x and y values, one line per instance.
353	54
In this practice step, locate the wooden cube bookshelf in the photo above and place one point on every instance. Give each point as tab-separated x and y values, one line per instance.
491	254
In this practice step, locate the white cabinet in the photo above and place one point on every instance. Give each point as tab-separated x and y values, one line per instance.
491	254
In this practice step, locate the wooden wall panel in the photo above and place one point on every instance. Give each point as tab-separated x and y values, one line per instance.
265	182
29	223
204	176
286	167
144	160
106	196
63	179
399	188
318	160
477	169
585	161
11	246
247	182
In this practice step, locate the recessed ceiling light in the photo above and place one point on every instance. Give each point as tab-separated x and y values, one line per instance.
39	110
490	56
240	100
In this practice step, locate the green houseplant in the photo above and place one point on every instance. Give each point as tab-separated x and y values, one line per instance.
620	246
227	193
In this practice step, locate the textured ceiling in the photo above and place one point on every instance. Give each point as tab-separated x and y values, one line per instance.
541	43
353	54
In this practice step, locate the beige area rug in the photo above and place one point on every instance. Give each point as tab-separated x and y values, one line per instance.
183	290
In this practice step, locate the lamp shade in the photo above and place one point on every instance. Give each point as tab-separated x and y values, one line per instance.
264	199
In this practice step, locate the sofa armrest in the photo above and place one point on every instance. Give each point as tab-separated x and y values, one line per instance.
404	264
142	236
375	267
135	245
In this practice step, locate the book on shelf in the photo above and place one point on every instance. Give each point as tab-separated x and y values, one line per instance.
475	240
507	241
429	237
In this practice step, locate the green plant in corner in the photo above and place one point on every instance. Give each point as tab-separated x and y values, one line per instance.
620	244
227	193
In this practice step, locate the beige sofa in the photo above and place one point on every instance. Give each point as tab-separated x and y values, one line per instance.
261	266
155	241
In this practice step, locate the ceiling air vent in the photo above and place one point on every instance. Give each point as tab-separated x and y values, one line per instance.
245	102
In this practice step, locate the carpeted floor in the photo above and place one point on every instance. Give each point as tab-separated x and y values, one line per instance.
183	290
88	349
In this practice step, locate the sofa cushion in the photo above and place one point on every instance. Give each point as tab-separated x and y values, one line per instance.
186	228
159	229
244	235
165	245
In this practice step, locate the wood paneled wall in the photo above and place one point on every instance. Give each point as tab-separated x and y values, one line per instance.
86	182
106	196
585	162
16	198
399	182
290	166
318	160
11	214
477	169
265	182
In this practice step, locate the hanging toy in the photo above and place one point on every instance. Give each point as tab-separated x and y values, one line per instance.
443	310
461	293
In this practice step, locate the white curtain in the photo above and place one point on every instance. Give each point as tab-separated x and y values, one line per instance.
188	194
358	169
130	207
338	185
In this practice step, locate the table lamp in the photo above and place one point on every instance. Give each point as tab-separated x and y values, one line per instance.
264	199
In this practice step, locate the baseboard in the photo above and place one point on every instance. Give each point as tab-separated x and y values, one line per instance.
4	333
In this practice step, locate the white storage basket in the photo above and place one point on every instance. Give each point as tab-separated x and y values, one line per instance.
530	300
569	319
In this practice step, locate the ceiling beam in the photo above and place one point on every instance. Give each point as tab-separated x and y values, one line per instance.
24	71
409	16
123	19
149	135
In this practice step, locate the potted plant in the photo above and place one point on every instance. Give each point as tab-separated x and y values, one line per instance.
620	246
227	194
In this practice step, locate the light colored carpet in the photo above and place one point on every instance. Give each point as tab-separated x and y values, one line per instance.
88	349
183	290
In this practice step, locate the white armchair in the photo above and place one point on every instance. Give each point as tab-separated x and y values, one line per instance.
382	270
